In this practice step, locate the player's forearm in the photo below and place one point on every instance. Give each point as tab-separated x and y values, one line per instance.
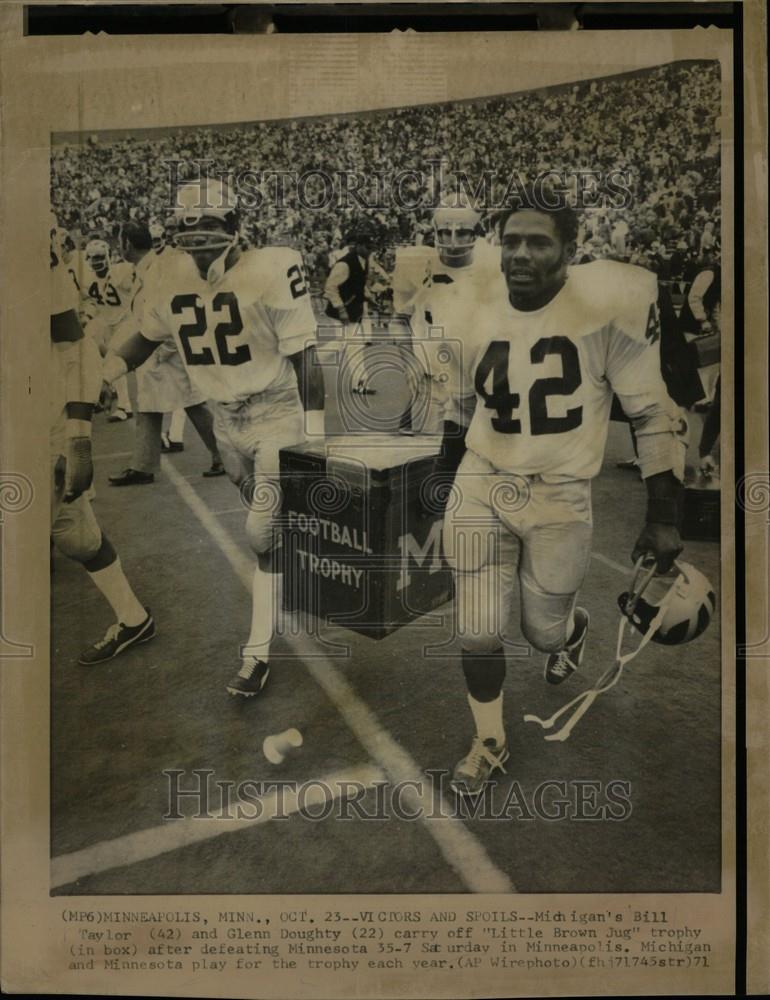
660	537
309	379
333	295
660	430
78	419
66	328
665	497
130	355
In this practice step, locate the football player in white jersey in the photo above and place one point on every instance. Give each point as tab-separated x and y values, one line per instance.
245	329
162	382
551	350
461	274
75	383
106	289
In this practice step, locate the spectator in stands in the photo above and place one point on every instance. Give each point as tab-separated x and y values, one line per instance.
668	146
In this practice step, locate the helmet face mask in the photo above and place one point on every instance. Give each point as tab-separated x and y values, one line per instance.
455	230
687	599
206	218
204	236
98	257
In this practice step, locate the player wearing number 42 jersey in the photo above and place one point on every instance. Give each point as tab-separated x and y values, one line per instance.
244	328
547	354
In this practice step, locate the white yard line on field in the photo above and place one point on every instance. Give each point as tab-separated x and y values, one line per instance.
460	848
177	833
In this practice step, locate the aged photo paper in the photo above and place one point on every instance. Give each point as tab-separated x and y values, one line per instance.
405	666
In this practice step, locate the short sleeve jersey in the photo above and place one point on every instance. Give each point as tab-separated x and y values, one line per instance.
235	336
544	379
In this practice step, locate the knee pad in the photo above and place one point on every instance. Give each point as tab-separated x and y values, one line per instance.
262	532
544	618
481	643
545	639
75	533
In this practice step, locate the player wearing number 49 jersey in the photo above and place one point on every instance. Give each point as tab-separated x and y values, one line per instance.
244	328
548	353
75	379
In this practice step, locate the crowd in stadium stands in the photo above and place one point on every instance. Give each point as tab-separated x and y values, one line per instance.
659	127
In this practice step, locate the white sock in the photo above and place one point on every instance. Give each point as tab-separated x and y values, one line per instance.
488	716
112	582
124	400
176	427
266	594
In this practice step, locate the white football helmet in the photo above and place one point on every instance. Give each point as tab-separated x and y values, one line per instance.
98	256
685	597
206	199
455	224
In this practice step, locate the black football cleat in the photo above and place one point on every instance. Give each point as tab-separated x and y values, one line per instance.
217	469
117	640
559	666
132	477
250	679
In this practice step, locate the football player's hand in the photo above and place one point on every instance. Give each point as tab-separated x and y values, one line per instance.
105	396
661	541
80	468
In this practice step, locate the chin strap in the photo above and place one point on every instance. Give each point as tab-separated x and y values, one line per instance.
643	574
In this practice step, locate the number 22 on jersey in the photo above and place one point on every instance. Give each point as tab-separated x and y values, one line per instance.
222	315
224	305
492	374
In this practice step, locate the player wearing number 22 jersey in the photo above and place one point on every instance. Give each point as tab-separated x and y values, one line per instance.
244	327
235	336
545	356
